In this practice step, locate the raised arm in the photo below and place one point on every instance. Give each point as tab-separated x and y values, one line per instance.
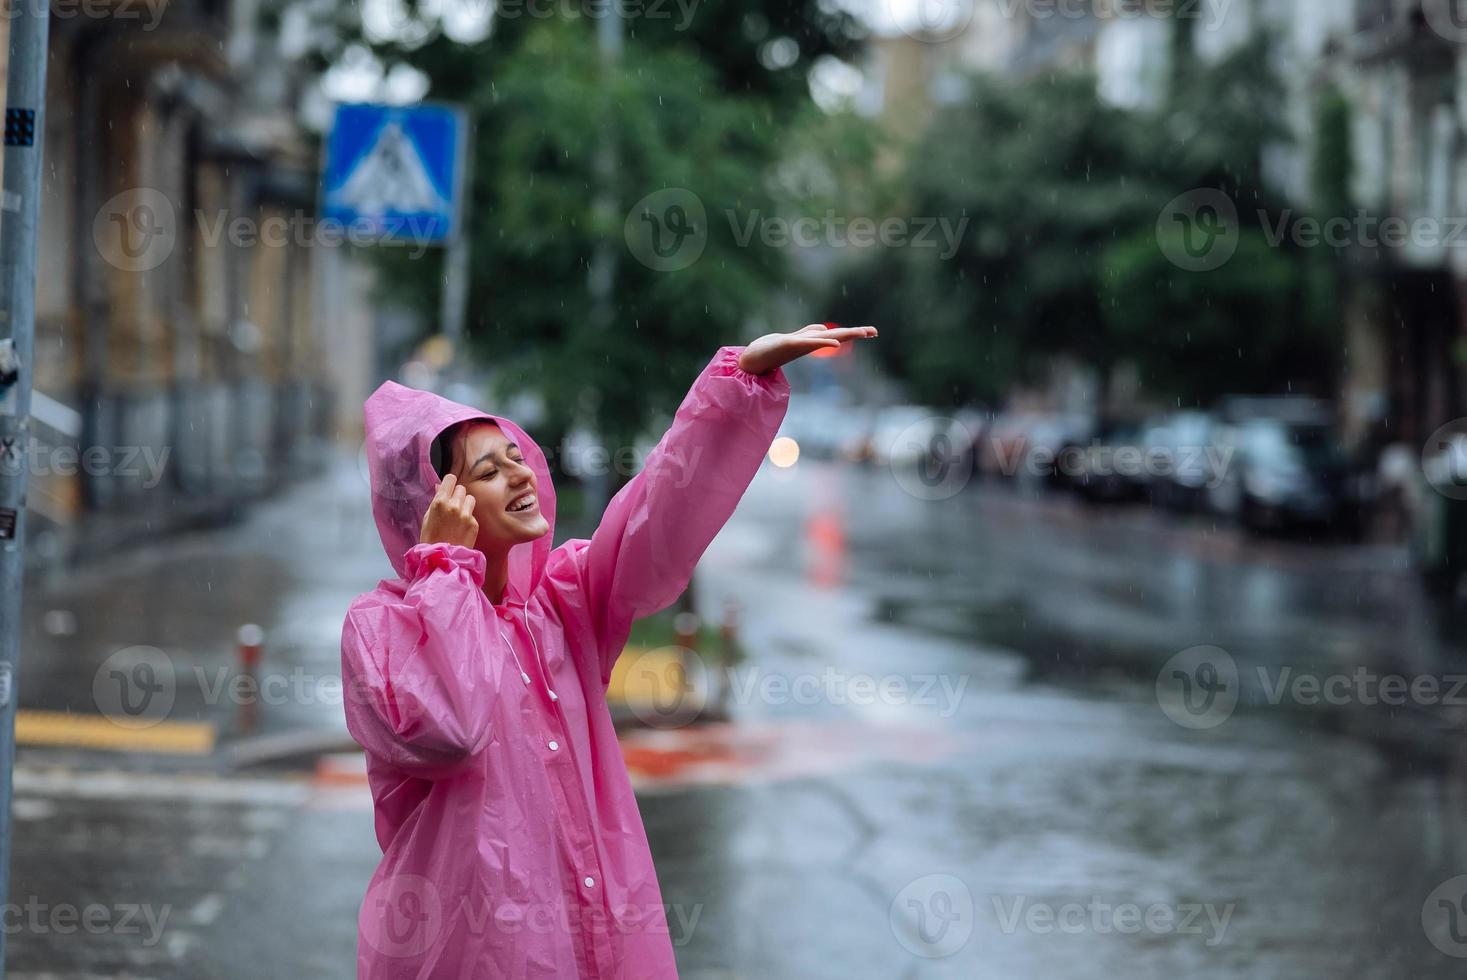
655	529
421	670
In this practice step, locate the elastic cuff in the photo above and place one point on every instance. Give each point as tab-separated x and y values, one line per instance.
423	559
726	365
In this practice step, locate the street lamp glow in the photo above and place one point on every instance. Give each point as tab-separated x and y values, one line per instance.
783	452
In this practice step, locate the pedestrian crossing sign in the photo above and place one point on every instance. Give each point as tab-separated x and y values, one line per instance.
395	174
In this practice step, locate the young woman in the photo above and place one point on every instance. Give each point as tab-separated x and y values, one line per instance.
512	845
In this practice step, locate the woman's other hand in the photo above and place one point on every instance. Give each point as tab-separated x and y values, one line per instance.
777	349
450	517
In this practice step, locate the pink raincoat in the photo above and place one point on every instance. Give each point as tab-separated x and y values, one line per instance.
512	845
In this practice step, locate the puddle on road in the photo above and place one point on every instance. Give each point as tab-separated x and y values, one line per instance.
1010	623
1418	739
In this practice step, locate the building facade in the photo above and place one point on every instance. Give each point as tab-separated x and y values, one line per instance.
195	346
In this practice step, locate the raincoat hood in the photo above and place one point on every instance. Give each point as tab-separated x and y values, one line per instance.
401	424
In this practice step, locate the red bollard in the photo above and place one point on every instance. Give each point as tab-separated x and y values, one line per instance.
685	626
251	644
728	633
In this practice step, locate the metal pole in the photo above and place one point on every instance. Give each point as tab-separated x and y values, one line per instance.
602	276
24	128
454	297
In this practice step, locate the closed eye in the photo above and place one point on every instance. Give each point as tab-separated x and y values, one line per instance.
489	474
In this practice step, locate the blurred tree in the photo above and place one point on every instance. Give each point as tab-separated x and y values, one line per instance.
1332	164
759	49
1264	320
1063	253
1042	174
764	49
1255	325
703	97
535	230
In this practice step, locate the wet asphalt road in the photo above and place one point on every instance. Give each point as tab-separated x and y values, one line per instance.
949	757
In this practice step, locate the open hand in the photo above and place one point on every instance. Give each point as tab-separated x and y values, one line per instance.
450	517
777	349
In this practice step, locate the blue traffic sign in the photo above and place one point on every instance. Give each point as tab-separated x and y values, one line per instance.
396	173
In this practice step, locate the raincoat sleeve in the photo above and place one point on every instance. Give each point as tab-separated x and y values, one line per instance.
421	669
655	529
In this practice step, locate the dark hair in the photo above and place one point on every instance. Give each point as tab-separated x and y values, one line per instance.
441	453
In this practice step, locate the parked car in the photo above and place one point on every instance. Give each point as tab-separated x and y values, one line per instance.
1185	459
1111	467
1285	474
853	435
1027	446
905	435
1054	442
822	425
1439	535
1288	409
1002	450
973	426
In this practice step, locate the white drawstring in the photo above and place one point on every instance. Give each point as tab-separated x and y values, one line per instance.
538	659
525	617
523	676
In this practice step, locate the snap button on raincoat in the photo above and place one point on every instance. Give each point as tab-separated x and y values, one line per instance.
512	844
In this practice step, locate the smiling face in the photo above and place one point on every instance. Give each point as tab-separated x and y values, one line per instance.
493	471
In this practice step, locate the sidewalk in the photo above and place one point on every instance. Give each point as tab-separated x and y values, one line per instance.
138	654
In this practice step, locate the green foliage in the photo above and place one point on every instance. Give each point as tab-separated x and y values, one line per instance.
760	49
1258	324
542	118
706	97
1061	255
1218	122
1332	163
1043	174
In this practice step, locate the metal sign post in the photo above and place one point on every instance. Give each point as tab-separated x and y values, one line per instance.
455	296
20	204
397	175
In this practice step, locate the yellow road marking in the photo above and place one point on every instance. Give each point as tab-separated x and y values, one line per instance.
642	684
99	732
662	676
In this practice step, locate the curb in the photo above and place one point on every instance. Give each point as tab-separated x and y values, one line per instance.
305	745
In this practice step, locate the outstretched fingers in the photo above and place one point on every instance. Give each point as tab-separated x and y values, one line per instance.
850	333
